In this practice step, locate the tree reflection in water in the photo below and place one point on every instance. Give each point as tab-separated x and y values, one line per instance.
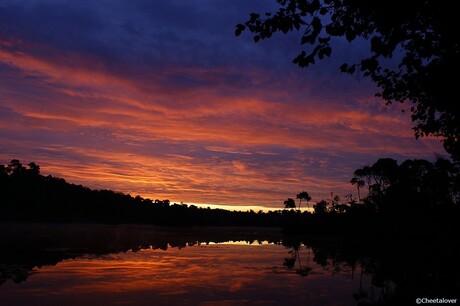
390	272
295	260
29	246
375	292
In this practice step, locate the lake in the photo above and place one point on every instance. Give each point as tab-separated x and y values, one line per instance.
140	265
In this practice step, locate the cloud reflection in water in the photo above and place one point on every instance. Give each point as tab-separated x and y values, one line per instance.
223	274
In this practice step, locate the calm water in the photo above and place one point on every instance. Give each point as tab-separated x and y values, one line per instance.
129	265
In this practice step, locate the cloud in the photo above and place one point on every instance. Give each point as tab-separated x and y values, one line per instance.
164	105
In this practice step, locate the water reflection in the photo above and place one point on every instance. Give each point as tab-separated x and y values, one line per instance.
369	292
38	245
105	265
395	272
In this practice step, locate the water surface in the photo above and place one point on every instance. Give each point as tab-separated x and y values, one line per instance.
214	274
140	265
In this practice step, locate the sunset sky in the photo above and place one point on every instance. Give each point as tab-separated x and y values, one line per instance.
161	99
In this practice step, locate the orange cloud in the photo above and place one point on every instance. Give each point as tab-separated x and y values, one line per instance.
150	134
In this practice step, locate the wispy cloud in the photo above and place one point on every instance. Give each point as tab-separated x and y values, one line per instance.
183	116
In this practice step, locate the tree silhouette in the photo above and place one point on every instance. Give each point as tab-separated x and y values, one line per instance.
414	185
34	169
321	207
430	191
359	183
15	167
289	203
28	196
303	196
413	56
3	171
382	174
385	172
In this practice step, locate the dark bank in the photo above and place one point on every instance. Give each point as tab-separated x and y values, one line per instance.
395	244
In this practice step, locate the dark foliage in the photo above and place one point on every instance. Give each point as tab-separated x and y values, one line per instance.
417	198
412	187
390	271
412	199
31	197
289	203
414	53
403	235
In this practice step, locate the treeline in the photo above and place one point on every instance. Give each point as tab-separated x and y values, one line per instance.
416	198
414	186
28	196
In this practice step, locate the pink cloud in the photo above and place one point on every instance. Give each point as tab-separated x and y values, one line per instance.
156	137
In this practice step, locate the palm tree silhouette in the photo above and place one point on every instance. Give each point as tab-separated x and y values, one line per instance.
303	196
359	183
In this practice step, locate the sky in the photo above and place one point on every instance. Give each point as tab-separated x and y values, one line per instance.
161	99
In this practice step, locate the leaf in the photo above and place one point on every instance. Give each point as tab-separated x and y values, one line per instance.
347	69
305	39
321	54
376	44
254	16
350	35
344	67
316	24
239	28
314	5
299	58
